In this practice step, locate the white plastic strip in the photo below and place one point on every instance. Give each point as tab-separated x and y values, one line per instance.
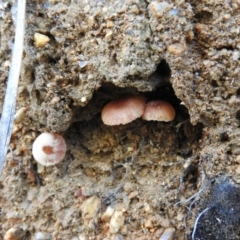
8	111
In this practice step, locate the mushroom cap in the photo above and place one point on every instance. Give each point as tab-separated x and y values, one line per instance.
123	110
49	149
159	111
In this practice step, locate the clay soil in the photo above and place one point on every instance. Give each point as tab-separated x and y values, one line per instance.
133	181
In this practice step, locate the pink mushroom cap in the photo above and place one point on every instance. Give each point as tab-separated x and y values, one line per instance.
159	111
49	149
123	110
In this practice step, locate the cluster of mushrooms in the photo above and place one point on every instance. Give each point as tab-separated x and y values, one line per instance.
126	109
50	148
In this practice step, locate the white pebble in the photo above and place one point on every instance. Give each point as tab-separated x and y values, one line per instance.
42	236
168	234
159	8
117	221
83	99
235	55
107	214
82	64
20	114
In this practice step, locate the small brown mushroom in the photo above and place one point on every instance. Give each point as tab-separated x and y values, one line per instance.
123	110
159	111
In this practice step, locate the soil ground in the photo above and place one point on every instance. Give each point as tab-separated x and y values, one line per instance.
133	181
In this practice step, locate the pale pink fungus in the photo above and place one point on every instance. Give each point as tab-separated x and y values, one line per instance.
159	111
49	149
123	110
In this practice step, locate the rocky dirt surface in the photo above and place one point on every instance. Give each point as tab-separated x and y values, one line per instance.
143	180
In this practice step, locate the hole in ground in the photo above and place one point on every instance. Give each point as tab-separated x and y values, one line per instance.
172	139
181	129
238	92
140	160
238	114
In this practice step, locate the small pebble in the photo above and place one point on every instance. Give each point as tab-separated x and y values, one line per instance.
89	208
164	222
14	234
7	64
40	40
173	12
109	34
83	99
79	193
20	114
110	24
238	170
107	214
148	208
177	48
82	237
55	100
238	159
235	55
117	221
180	216
168	234
133	194
159	8
130	149
82	64
148	224
43	236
